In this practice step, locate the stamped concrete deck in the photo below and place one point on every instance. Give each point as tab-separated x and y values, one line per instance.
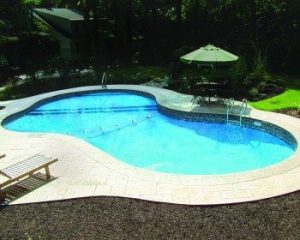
84	170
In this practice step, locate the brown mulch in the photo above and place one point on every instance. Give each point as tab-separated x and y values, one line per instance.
294	112
121	218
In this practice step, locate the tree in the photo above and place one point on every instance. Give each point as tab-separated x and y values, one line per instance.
129	26
4	68
155	28
178	7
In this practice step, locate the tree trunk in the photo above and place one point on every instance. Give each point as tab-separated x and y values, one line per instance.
253	22
95	25
129	26
196	20
205	24
179	12
152	6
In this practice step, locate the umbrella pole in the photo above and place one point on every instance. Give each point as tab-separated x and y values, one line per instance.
209	83
209	88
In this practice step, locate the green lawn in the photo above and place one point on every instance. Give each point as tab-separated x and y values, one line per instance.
289	99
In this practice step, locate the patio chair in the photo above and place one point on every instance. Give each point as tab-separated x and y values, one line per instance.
26	168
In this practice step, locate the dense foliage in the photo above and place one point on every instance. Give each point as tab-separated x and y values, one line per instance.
149	31
264	33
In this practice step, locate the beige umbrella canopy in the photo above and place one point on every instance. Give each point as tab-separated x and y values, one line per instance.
209	55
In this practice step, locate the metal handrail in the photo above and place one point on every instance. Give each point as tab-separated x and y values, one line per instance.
243	110
229	108
103	81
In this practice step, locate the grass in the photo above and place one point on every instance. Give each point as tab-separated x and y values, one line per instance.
289	99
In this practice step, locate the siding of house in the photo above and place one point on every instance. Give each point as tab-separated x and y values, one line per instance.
68	31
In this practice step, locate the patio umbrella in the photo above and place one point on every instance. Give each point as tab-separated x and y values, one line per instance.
209	55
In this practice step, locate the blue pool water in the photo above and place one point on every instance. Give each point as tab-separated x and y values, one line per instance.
130	128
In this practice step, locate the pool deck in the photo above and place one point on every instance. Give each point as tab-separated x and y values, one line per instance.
84	170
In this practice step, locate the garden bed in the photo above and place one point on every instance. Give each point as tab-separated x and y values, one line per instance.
294	112
122	218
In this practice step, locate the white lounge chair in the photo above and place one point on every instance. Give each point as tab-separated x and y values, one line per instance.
26	168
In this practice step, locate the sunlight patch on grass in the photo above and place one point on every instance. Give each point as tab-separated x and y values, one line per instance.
289	99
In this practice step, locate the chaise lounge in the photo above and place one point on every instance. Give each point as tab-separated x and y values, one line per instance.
25	168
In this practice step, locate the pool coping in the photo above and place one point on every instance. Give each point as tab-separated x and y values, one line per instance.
125	180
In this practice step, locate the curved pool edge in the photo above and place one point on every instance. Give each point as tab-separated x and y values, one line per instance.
186	189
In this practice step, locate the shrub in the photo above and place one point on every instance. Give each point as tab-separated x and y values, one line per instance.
259	71
175	69
4	68
253	92
134	75
262	86
238	75
176	66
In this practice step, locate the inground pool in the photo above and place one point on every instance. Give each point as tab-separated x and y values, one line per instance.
132	128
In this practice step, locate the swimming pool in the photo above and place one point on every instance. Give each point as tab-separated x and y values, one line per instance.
131	128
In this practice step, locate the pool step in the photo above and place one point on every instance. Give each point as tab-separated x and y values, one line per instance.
233	121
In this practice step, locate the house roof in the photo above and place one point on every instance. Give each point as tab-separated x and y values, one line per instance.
70	14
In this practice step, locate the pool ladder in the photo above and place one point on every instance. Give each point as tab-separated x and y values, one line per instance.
104	80
242	112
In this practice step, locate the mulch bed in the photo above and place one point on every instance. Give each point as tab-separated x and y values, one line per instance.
121	218
290	111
